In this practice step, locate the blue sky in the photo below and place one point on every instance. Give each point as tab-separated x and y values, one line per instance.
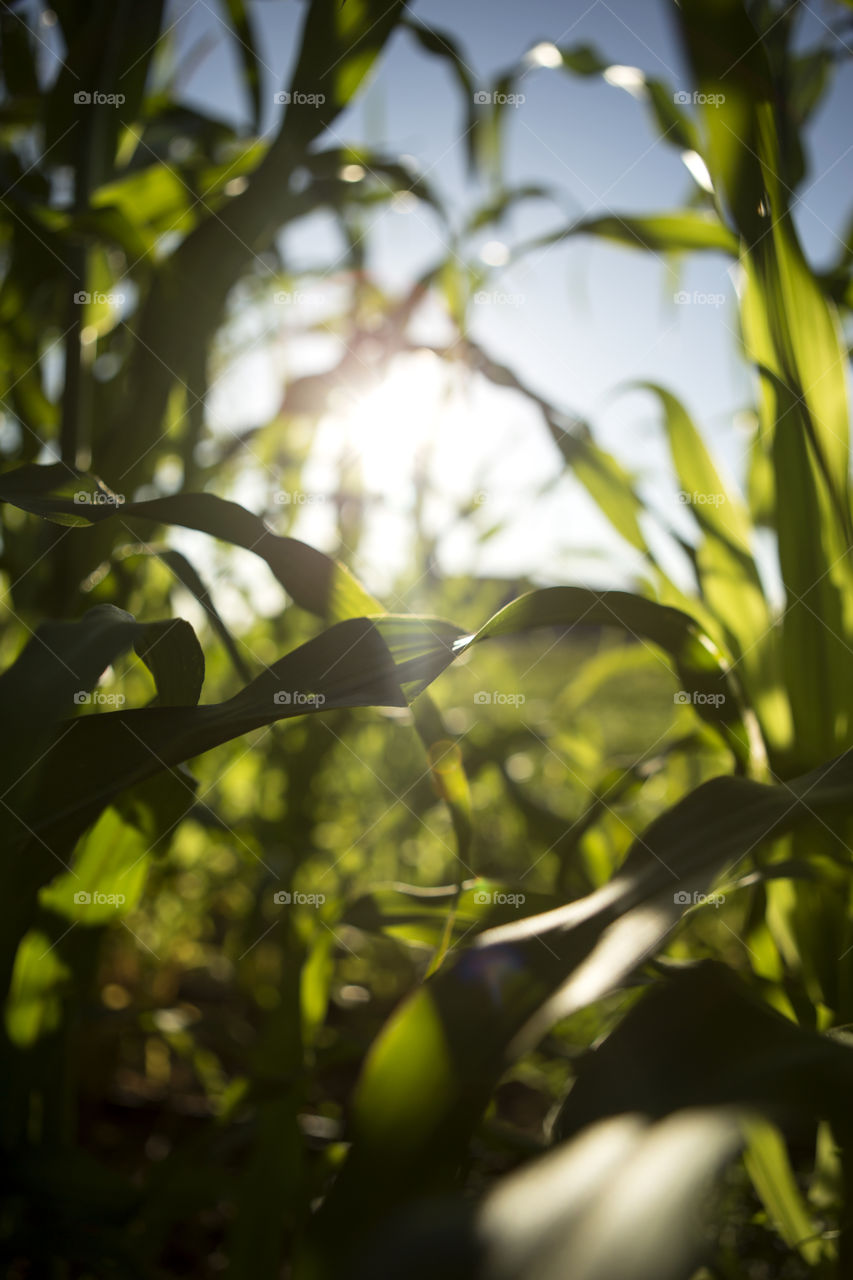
583	319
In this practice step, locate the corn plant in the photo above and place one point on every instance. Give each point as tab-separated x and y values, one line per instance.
674	1059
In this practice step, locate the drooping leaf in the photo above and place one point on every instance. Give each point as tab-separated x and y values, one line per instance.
722	1046
684	230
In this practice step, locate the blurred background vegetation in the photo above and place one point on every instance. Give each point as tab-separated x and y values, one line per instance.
362	269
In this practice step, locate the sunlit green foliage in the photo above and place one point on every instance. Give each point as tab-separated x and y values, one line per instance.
319	957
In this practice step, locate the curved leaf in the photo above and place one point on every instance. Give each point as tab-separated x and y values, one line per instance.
430	1073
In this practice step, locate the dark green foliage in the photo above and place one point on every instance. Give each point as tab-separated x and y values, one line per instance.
307	970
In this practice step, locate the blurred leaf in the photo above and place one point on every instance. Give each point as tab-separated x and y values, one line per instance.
34	1004
107	876
685	230
17	56
700	1037
497	208
420	915
360	662
702	668
728	576
767	1163
56	670
239	15
315	582
430	1073
338	46
442	45
672	121
188	577
731	68
622	1202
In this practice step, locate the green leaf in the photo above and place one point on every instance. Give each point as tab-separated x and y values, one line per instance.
621	1201
338	48
174	657
624	1200
429	1074
792	334
702	668
728	577
316	582
420	916
34	1004
440	44
55	672
495	209
107	876
700	1037
239	16
672	121
767	1163
188	577
682	231
360	662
